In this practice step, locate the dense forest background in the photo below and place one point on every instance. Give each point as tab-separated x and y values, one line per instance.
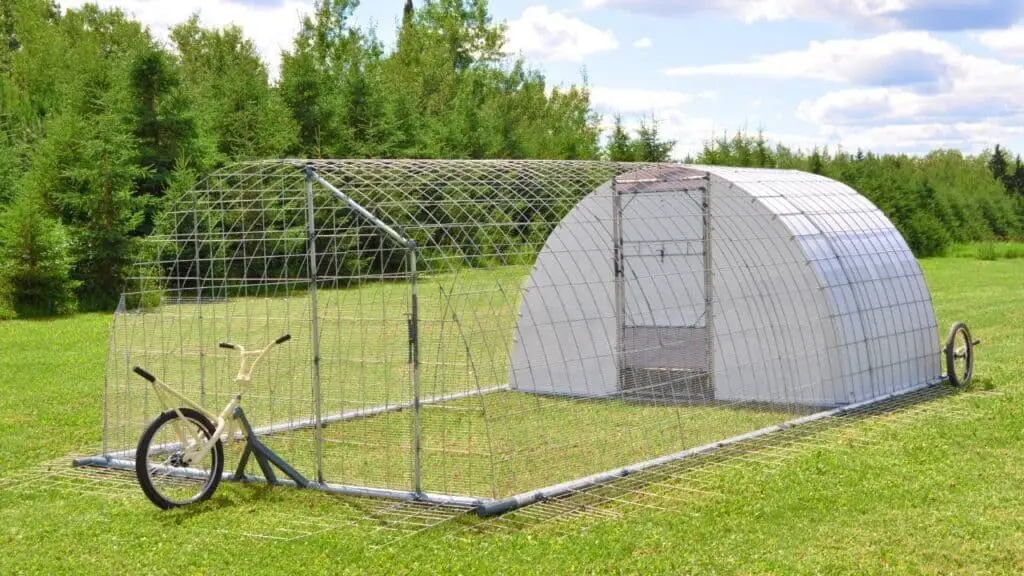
100	123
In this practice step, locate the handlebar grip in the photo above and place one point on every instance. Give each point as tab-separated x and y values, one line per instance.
227	345
283	339
142	372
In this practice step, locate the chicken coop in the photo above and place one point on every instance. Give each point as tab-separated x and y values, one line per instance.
493	333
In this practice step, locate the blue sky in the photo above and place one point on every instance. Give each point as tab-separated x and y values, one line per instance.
886	75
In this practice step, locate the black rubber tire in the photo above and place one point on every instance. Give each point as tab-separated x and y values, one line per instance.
142	452
959	380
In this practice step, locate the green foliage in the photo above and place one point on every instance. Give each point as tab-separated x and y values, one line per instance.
934	200
239	115
926	235
104	126
35	262
86	170
9	167
989	251
646	147
997	163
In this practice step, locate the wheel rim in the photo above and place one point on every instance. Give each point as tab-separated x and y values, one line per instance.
960	361
175	480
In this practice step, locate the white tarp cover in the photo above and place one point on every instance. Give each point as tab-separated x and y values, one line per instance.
816	299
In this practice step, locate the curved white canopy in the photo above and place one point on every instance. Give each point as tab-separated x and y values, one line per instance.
815	298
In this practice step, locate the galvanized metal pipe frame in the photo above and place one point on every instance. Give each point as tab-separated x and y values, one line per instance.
314	318
414	342
327	420
483	507
430	498
709	282
488	507
493	508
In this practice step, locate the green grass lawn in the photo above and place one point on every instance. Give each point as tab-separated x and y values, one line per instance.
937	493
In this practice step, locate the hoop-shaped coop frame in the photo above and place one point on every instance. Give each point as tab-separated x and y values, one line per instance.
492	333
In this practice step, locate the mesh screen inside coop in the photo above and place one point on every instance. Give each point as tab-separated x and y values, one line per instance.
570	318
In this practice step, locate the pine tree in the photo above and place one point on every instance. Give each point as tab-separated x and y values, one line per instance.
238	114
620	146
1015	182
648	147
762	152
165	129
35	262
86	170
998	164
815	163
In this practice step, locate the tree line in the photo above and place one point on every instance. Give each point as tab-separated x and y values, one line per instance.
101	124
935	200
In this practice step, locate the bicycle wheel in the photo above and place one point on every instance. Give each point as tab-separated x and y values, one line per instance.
166	477
959	355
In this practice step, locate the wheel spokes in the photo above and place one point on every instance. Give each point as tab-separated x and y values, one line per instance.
174	475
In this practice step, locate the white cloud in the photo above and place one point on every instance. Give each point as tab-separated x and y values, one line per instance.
628	100
906	14
271	27
970	136
643	43
555	36
903	90
1009	42
916	56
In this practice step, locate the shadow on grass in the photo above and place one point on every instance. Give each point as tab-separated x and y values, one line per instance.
667	487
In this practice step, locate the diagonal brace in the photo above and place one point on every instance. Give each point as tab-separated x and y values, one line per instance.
264	457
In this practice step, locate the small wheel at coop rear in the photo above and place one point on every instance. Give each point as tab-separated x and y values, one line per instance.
959	353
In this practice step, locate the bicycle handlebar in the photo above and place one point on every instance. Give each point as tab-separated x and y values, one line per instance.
231	346
142	372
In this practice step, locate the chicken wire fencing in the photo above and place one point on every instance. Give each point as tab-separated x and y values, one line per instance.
494	333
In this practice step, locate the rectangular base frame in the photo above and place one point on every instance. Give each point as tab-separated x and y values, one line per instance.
485	507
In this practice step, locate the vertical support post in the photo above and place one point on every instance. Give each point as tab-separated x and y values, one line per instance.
620	282
314	320
414	359
199	304
709	284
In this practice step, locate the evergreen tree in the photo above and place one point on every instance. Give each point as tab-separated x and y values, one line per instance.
815	163
1015	182
164	126
86	169
10	168
35	262
326	83
998	164
620	147
239	115
648	147
762	153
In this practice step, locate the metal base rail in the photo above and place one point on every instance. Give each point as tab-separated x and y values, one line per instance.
496	507
332	419
404	495
485	507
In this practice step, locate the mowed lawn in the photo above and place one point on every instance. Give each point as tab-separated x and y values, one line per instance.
941	492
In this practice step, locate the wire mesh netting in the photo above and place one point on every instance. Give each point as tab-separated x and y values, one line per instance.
490	328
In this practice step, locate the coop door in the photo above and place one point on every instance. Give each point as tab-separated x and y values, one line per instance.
662	303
